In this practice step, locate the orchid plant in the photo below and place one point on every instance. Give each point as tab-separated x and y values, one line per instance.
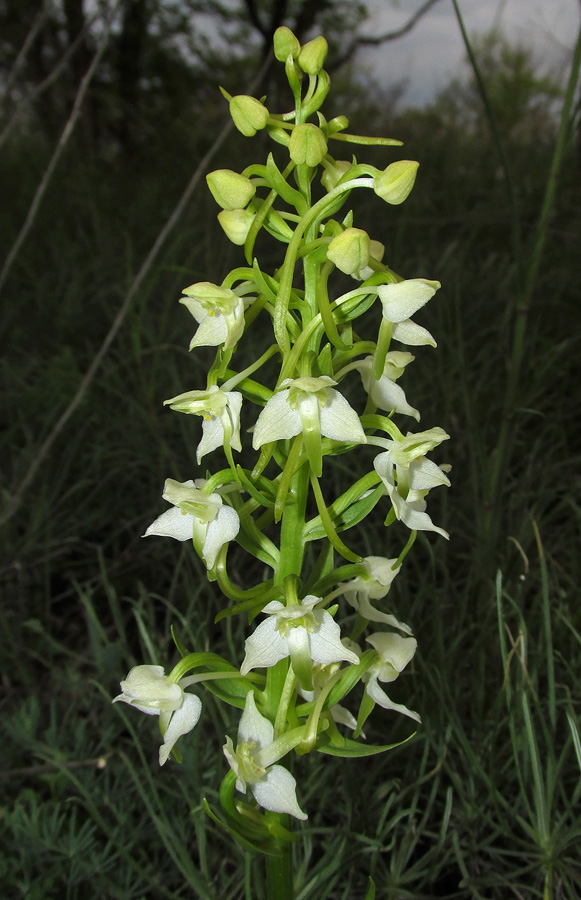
298	664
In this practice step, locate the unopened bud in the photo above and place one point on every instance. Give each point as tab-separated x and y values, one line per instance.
285	44
229	189
333	173
307	145
249	114
236	223
350	250
395	183
313	55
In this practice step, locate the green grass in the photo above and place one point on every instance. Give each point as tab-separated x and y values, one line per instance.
484	802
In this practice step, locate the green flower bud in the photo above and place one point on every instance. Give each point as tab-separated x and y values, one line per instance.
333	173
395	183
307	145
285	44
236	223
249	114
313	55
229	189
350	250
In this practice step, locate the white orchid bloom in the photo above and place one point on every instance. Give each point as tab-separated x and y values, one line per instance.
408	476
221	416
197	516
274	788
384	392
395	652
312	406
361	590
151	691
305	634
218	311
400	301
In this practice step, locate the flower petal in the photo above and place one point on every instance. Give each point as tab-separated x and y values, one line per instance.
339	421
264	648
276	421
183	720
277	792
253	725
172	523
407	332
380	697
326	646
425	474
403	299
222	529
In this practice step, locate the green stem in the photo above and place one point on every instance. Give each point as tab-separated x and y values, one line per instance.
279	870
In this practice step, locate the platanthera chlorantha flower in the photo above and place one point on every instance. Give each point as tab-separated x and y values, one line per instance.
306	634
384	391
408	476
395	652
274	788
203	518
230	189
236	224
400	301
350	250
307	145
361	590
221	416
248	114
312	406
151	691
395	183
218	311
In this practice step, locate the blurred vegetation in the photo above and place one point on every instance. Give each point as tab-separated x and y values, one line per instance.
485	801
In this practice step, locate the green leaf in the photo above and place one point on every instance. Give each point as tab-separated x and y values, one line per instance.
370	895
182	650
353	749
315	530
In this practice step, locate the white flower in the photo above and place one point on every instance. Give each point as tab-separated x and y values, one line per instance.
305	634
221	416
149	690
400	301
384	392
196	516
360	591
309	405
274	788
395	652
218	311
408	476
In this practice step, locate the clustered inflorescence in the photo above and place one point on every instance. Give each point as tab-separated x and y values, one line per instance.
297	666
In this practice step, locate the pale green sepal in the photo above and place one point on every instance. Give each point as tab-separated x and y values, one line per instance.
402	299
312	55
395	183
236	224
307	145
248	114
230	189
285	44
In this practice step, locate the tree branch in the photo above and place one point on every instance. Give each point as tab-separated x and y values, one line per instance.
375	40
